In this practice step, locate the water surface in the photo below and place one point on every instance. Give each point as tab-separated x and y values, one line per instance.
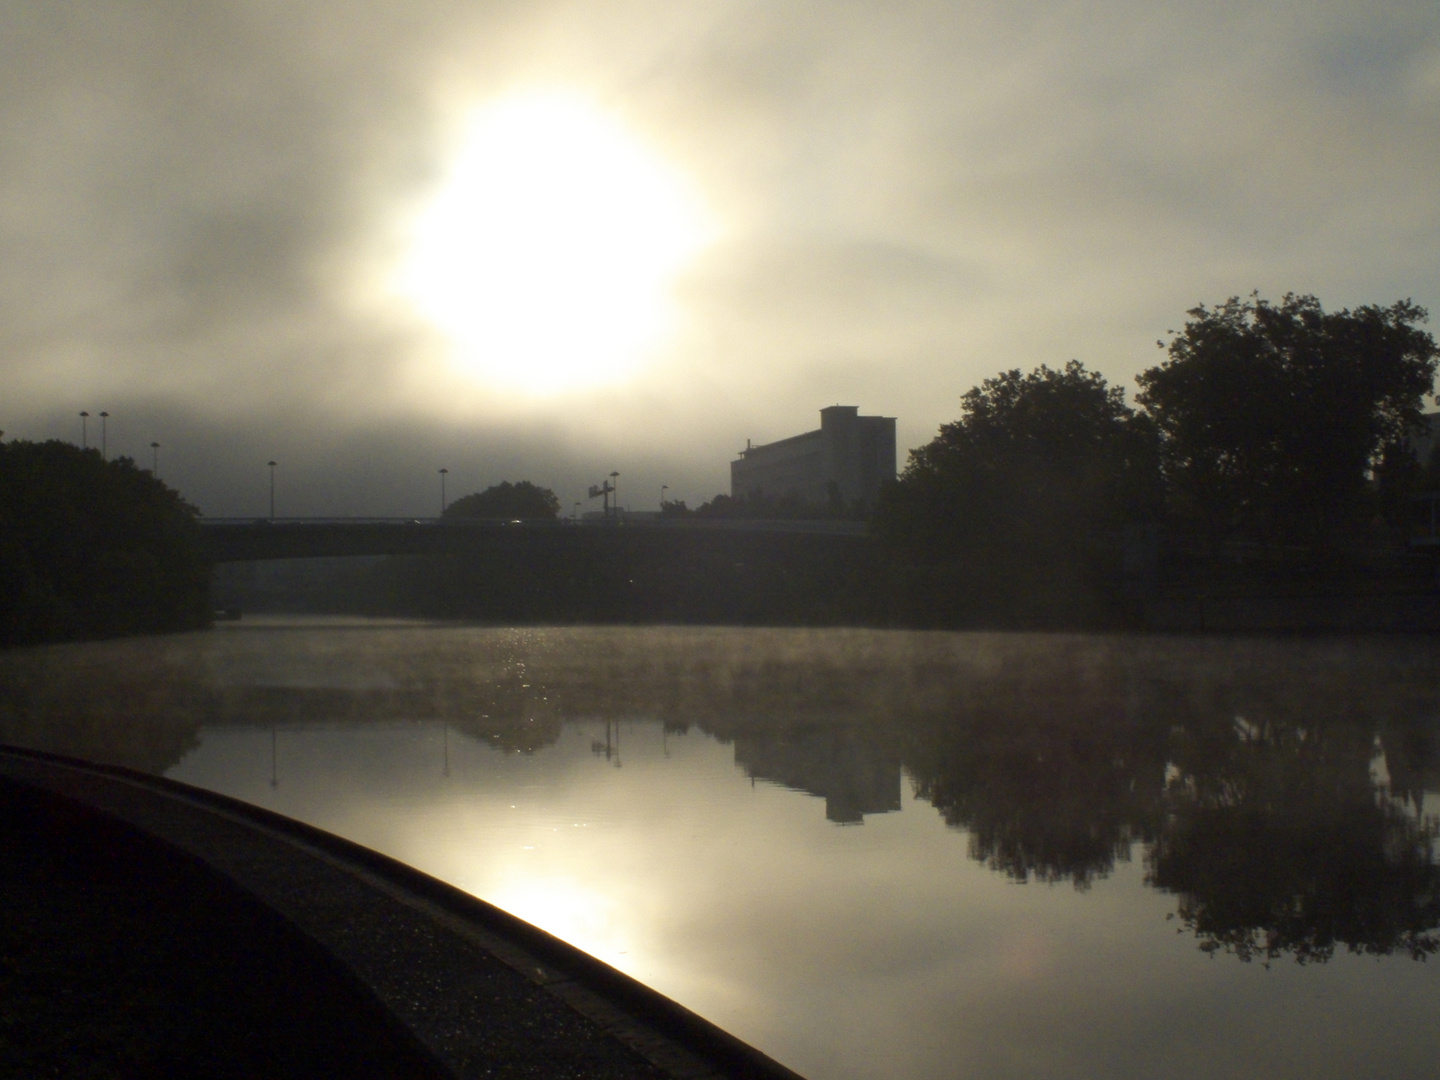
868	853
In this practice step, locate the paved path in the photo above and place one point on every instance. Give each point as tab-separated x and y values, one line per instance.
427	980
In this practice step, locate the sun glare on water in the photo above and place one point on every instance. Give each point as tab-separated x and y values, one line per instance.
548	255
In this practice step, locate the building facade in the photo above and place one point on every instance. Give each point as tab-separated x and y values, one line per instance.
850	456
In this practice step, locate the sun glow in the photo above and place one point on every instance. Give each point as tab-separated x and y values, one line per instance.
548	256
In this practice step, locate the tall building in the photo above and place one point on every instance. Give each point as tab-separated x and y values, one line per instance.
854	453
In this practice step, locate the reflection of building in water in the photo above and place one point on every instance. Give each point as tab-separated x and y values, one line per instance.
853	775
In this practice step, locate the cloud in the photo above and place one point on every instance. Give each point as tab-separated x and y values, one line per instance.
198	200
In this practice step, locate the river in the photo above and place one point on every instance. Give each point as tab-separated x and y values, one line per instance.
869	853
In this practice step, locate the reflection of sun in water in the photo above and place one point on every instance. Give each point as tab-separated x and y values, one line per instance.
548	254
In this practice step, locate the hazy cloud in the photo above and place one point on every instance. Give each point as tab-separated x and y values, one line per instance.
198	200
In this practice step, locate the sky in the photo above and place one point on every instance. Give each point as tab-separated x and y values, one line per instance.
548	240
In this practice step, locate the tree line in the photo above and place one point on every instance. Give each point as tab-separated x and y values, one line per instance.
1275	440
1274	443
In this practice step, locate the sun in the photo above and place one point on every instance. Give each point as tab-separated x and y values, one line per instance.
548	255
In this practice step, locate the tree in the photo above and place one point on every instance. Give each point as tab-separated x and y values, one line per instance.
1006	516
523	500
90	548
1034	462
1273	419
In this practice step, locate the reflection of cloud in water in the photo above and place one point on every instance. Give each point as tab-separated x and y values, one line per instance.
1247	769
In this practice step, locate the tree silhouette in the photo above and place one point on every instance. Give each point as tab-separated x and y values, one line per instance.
524	501
93	549
1016	492
1273	417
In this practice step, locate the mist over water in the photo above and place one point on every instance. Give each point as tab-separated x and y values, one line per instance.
868	853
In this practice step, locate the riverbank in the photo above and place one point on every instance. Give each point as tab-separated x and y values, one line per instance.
123	958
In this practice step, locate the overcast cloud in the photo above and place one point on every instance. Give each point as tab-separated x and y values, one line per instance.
197	199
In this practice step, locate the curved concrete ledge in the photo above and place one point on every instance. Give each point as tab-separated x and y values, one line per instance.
484	992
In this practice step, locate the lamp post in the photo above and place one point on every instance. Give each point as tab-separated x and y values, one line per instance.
443	473
615	494
155	460
104	445
663	488
272	489
84	430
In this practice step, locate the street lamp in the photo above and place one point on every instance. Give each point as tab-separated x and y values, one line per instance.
272	489
443	474
84	430
104	446
615	494
663	488
155	459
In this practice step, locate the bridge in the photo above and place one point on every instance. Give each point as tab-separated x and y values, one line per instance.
667	570
251	539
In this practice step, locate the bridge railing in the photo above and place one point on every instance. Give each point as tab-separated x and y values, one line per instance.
783	525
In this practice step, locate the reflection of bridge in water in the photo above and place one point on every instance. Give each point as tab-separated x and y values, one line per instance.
248	539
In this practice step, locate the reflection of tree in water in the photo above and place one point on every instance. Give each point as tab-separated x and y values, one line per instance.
504	707
116	703
141	703
1275	831
1056	754
1412	758
1278	842
1057	792
1038	804
511	713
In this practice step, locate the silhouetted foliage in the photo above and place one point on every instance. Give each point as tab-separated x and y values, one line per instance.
1033	460
523	501
93	549
1274	418
1010	495
1271	450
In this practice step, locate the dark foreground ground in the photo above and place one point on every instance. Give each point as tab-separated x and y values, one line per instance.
149	929
119	958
